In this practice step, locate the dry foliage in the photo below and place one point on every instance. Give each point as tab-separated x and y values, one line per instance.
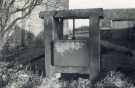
115	80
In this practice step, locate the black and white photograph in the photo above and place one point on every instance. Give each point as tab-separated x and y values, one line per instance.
67	43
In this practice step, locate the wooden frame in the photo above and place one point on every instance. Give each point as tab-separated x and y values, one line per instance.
53	31
53	24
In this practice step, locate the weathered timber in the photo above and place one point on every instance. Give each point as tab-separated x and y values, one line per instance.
119	14
54	31
112	14
69	69
94	47
58	26
48	24
71	53
75	13
73	29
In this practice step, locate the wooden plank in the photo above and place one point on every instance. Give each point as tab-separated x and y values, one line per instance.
79	13
94	47
71	53
48	27
112	14
75	13
62	69
55	27
58	28
119	14
73	29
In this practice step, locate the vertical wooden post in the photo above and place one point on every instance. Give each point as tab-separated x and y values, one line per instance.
61	34
73	29
59	28
94	47
48	27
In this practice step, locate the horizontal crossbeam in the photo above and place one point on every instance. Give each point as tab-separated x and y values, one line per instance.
119	14
112	14
74	14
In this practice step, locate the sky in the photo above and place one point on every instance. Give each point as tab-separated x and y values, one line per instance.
81	4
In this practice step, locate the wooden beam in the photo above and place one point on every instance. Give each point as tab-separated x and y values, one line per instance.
94	47
73	29
119	14
48	28
79	13
75	13
112	14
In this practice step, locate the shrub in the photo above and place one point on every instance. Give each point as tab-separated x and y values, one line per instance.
115	80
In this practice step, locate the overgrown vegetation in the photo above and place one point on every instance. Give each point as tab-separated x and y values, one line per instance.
115	80
19	68
112	79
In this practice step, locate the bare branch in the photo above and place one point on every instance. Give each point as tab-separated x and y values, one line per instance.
17	19
27	8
